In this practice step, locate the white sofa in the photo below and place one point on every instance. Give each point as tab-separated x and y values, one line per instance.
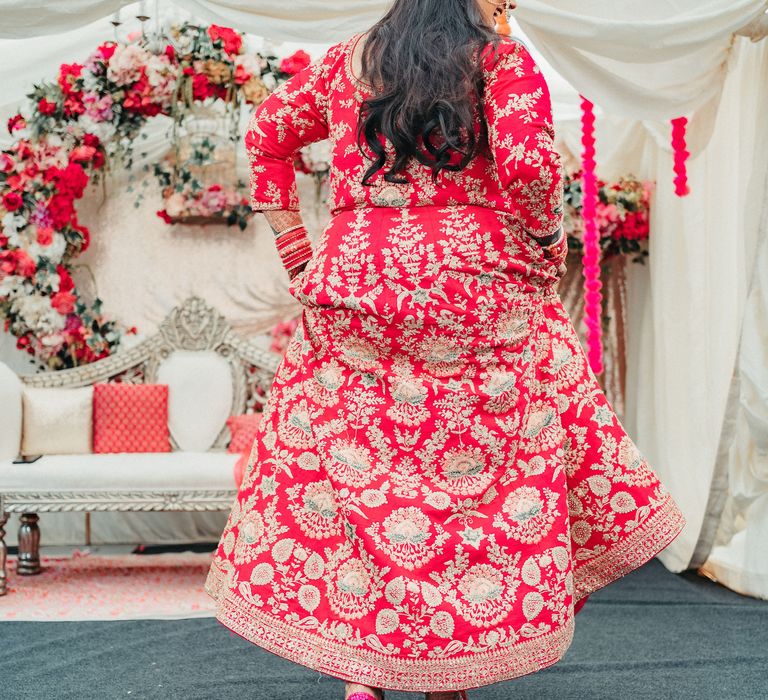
212	373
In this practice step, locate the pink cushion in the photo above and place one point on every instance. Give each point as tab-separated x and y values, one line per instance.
243	429
240	466
130	418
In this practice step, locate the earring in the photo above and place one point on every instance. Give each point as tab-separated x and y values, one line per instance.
502	23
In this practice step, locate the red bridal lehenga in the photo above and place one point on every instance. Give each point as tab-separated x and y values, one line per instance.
438	478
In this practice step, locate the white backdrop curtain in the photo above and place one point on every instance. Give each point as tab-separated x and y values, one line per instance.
737	522
642	63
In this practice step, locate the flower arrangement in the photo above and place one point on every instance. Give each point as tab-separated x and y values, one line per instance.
623	216
40	182
188	200
193	203
91	114
214	67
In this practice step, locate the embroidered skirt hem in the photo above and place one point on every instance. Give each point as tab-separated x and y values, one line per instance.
376	669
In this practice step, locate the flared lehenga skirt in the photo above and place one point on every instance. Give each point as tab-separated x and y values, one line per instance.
438	477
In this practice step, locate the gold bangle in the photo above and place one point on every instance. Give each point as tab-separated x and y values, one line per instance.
288	230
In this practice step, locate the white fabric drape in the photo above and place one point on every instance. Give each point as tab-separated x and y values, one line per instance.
739	502
643	60
655	60
701	255
648	60
314	21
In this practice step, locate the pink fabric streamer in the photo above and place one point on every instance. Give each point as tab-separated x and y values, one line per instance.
679	146
593	299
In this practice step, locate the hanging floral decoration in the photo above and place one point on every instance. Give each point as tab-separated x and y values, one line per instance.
198	178
593	300
681	155
189	200
89	117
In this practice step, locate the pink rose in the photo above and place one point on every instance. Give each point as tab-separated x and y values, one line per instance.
63	302
45	235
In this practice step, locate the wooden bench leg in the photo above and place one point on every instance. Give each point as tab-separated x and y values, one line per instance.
29	546
3	554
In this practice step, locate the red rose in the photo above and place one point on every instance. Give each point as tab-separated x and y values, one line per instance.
91	140
63	302
202	88
229	38
6	163
107	49
170	52
71	180
12	201
98	160
46	107
139	99
73	104
295	62
16	123
68	75
65	279
45	235
61	210
242	76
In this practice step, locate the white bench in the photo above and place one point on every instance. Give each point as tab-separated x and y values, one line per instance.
215	372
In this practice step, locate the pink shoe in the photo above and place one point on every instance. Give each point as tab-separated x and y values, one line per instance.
362	695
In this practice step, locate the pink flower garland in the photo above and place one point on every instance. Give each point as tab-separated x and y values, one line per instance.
593	299
679	146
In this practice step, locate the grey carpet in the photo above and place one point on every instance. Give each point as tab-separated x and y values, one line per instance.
652	634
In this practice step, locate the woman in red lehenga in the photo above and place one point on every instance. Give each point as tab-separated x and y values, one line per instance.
438	482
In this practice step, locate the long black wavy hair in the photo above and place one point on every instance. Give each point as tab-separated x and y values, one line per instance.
422	58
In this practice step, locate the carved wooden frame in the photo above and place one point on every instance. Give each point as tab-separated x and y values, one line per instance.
194	326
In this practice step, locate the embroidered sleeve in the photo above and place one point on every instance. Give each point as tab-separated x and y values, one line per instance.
521	135
292	116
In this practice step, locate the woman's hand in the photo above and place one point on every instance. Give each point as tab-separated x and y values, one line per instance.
557	253
293	274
